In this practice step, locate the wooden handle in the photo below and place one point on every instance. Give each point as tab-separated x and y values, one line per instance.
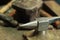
6	7
43	13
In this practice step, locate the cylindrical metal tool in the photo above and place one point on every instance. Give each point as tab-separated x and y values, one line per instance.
8	21
42	23
56	24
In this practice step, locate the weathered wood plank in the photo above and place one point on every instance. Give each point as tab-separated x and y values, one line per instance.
6	7
53	6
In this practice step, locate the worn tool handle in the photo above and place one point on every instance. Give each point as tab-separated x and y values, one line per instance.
8	21
6	7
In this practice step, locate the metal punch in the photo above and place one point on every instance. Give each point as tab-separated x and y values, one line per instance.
41	23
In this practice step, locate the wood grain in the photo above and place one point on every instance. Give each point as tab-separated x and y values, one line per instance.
53	6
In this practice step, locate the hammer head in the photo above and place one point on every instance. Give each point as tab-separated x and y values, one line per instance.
41	23
43	26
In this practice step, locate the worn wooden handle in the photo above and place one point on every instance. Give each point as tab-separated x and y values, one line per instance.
45	14
6	7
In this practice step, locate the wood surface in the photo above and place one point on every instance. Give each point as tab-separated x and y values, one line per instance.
53	6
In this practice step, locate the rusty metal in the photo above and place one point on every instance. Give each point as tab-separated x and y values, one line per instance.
43	22
45	14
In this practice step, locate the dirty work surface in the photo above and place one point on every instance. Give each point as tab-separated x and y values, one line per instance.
10	34
7	33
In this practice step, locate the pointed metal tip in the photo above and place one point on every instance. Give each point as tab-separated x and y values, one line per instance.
28	26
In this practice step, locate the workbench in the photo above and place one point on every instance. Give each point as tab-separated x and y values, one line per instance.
7	33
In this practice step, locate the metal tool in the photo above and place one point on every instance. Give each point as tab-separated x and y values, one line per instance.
8	20
45	14
40	23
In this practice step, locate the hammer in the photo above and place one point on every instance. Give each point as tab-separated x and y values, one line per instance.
40	24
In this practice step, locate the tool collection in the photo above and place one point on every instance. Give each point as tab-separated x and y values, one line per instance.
27	17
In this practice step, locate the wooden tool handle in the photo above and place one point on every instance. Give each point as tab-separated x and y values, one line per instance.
45	14
6	7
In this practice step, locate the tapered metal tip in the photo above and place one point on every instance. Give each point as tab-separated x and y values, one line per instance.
29	25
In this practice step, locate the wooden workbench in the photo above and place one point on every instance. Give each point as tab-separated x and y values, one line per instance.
55	7
7	33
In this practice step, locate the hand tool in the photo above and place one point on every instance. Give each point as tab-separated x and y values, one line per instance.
8	20
39	26
6	7
40	23
45	14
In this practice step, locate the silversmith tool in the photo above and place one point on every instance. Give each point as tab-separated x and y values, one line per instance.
41	23
8	20
56	24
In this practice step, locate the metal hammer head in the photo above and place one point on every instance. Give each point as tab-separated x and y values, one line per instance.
41	23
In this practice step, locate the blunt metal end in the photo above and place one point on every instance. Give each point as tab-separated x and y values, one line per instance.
42	23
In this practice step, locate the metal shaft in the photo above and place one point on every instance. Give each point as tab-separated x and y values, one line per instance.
43	23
